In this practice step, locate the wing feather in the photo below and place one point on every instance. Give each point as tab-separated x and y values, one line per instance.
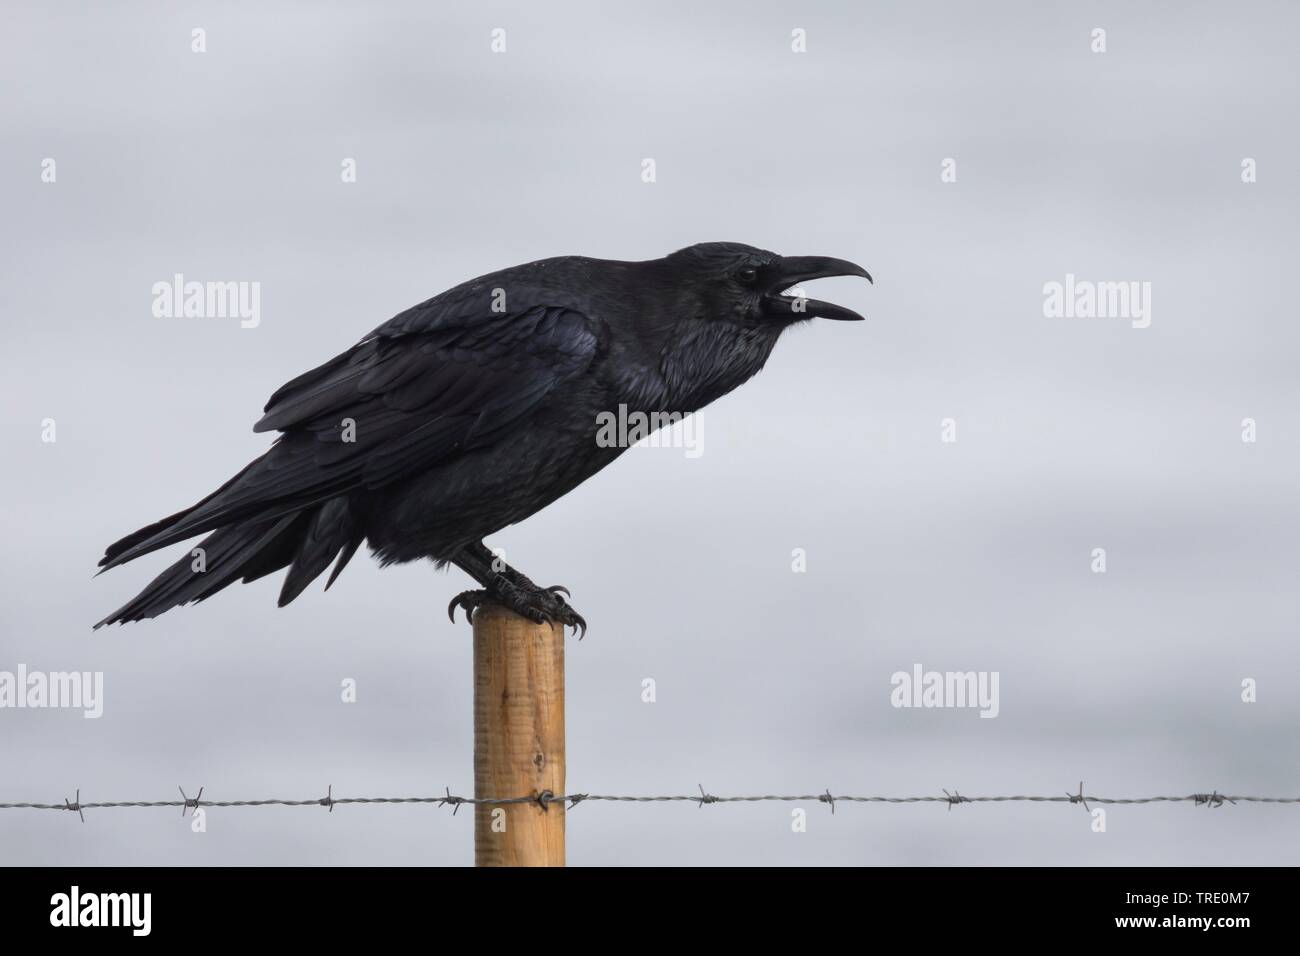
417	392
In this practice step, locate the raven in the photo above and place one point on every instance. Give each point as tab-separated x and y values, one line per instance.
473	410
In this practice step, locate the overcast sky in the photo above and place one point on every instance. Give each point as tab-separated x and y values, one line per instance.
1072	434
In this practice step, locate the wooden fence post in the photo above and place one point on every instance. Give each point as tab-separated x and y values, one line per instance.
518	738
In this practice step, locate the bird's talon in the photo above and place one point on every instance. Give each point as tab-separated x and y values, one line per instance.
469	600
539	605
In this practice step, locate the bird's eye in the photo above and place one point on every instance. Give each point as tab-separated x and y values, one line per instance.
747	275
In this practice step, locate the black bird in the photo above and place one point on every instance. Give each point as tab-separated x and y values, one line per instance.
474	410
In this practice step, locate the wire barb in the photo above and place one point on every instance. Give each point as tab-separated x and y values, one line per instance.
827	798
75	805
955	798
1078	797
187	803
454	802
706	797
1213	800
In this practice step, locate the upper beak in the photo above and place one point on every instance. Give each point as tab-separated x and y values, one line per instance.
791	270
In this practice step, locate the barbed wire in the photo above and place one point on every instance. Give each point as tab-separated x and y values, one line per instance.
545	799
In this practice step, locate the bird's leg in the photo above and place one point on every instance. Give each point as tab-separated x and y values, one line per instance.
504	585
478	551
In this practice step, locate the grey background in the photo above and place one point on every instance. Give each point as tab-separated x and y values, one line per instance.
1073	434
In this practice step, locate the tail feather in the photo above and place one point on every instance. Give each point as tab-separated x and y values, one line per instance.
278	554
219	561
284	481
345	556
132	546
330	531
306	541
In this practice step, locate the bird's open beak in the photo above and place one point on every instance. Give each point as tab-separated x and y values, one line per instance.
790	271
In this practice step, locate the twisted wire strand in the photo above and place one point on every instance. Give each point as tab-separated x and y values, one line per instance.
546	798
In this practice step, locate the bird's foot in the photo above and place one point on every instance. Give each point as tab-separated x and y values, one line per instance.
539	605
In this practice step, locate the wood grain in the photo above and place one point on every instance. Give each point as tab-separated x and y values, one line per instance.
518	738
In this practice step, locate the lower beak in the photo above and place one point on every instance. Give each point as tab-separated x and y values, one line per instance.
791	270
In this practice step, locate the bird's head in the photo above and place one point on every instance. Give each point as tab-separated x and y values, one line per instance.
750	287
727	304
